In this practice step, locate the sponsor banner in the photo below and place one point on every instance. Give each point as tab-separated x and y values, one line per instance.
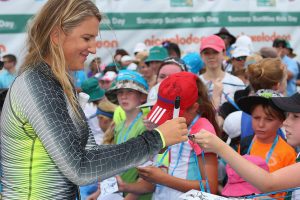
182	21
139	21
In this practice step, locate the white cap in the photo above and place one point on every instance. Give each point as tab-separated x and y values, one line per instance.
126	58
83	98
232	125
140	47
244	41
240	51
132	66
152	96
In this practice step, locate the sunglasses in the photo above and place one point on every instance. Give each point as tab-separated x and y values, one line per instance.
241	58
176	61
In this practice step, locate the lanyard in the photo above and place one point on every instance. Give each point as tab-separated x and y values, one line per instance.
119	141
195	157
271	150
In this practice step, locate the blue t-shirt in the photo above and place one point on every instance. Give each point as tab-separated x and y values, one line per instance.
292	66
6	78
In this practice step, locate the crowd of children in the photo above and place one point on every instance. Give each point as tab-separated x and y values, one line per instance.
227	92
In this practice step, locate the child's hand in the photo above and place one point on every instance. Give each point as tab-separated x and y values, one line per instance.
174	131
151	174
209	142
121	184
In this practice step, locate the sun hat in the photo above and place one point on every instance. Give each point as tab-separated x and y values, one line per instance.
236	186
127	79
193	62
213	42
280	42
288	104
224	32
92	88
182	84
240	51
262	96
157	53
232	125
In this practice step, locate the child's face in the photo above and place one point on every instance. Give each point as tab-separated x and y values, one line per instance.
129	99
104	122
212	58
264	125
292	128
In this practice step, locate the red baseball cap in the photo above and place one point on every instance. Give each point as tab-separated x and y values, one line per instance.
213	42
182	84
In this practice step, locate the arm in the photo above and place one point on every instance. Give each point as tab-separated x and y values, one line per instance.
43	105
139	187
284	178
156	175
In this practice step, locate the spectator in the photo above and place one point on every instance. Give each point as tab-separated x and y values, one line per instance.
281	46
8	73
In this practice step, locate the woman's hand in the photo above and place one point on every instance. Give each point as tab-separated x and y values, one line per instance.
209	142
152	174
174	131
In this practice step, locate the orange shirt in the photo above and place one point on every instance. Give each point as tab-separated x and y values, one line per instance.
282	156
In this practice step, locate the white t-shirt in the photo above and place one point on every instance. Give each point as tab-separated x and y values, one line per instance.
90	110
231	84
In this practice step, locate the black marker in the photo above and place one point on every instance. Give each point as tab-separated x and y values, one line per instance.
176	107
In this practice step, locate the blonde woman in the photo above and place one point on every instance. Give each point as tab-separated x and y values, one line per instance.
45	146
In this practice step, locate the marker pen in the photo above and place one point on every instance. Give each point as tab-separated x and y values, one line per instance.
176	107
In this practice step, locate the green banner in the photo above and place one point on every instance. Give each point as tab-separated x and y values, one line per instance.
129	21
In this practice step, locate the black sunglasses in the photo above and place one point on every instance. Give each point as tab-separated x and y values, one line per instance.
241	58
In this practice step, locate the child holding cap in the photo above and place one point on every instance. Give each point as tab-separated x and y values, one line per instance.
284	178
186	170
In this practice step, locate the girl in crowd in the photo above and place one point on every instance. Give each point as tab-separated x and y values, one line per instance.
44	134
284	178
186	170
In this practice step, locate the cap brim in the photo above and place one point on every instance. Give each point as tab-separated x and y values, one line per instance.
212	47
288	104
148	104
158	115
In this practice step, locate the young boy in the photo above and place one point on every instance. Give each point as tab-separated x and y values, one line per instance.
282	179
131	91
266	120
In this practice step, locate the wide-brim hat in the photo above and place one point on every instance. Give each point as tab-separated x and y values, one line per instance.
288	104
262	96
111	93
157	53
127	79
224	31
92	88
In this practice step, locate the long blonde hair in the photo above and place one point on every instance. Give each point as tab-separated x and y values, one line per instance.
65	15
